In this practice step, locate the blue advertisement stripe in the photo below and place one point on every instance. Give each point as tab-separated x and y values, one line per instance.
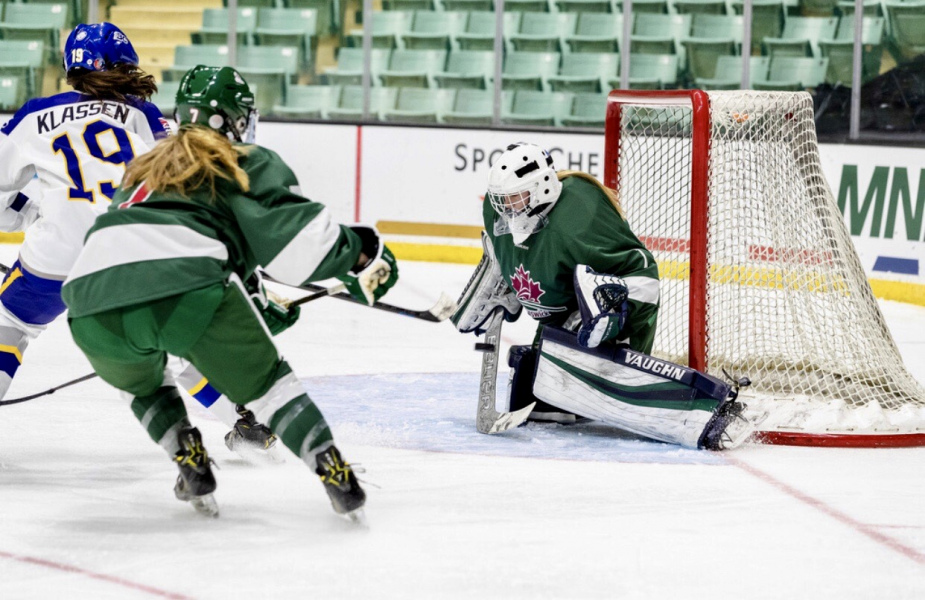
892	264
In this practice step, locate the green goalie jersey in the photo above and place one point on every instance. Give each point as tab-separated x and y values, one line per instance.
583	228
153	245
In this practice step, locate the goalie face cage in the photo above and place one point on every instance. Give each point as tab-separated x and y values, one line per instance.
759	276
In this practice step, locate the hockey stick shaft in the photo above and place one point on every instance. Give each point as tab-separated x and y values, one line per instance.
48	391
435	314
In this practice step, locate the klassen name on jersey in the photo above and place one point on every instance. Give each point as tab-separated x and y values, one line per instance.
58	116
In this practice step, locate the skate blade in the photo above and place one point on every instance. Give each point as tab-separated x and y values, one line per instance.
357	517
259	456
737	432
205	505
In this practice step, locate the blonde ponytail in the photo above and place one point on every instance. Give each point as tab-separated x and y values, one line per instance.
191	160
610	193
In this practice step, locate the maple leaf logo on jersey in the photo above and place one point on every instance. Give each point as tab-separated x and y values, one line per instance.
526	289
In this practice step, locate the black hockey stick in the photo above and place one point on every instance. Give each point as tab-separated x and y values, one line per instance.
440	311
48	391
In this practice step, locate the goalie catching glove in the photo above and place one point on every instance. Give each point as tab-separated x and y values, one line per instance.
370	281
275	310
486	291
602	301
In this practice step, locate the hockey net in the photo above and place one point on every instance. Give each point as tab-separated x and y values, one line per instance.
759	276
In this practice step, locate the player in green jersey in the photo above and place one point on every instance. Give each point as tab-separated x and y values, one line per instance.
557	244
161	273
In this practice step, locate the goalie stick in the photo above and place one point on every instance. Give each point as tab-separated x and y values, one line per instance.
488	420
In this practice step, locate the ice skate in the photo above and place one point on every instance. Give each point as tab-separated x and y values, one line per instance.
196	482
252	440
728	428
340	482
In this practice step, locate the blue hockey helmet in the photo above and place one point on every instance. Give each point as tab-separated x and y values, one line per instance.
97	47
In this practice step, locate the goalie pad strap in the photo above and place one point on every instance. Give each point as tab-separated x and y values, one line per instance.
629	390
486	291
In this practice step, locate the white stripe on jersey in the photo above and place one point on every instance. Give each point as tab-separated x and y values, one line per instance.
124	244
298	260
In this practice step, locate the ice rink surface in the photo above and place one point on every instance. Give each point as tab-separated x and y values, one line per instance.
87	507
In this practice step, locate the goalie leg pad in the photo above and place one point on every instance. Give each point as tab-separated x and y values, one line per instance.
634	392
486	291
522	360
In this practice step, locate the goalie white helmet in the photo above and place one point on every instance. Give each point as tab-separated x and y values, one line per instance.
523	188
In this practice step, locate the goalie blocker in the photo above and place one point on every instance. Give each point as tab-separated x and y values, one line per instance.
631	391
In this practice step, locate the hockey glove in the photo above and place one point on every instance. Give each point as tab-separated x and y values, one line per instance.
371	281
602	301
272	308
278	317
486	291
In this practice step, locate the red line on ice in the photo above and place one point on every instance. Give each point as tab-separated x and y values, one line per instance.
108	578
867	530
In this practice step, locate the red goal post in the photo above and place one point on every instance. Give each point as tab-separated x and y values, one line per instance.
759	274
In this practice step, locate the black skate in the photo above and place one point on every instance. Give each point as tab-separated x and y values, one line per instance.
196	481
727	428
248	434
340	482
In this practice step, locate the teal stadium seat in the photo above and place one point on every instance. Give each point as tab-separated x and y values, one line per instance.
729	73
293	27
12	93
580	6
36	22
255	3
543	32
801	36
585	72
24	60
270	69
644	6
350	104
527	6
349	68
659	34
417	105
187	57
434	30
840	51
387	29
469	5
329	19
700	7
479	33
872	8
818	8
651	72
215	26
793	73
413	68
529	70
588	110
475	107
537	109
906	28
597	32
308	101
415	5
767	20
471	69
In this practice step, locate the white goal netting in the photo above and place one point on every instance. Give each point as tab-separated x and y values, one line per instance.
787	301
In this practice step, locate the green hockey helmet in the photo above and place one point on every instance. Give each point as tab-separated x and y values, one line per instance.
217	97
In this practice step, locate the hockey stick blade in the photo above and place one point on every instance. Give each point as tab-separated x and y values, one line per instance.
488	420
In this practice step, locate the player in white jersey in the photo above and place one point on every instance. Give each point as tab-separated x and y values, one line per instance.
76	144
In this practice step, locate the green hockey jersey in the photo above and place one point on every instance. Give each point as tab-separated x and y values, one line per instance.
153	245
582	228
